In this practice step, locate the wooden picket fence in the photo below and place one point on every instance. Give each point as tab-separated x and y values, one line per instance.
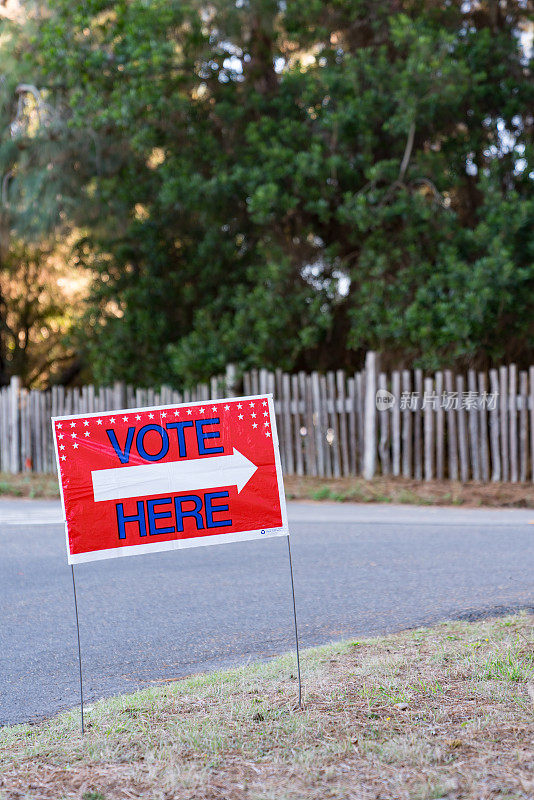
478	426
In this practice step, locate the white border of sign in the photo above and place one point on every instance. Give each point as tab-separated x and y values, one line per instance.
180	544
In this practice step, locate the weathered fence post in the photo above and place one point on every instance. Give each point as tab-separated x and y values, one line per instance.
231	380
440	428
119	394
14	388
531	406
496	473
523	426
396	424
369	430
406	426
512	421
428	428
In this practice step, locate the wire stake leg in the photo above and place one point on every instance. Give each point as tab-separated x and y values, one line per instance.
295	619
79	647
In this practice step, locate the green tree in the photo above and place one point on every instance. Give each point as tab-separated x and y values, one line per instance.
291	184
39	175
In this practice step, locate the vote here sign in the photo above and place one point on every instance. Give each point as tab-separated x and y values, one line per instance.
166	477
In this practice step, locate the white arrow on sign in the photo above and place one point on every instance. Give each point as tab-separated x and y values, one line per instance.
173	476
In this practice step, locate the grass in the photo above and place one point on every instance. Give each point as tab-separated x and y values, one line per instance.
29	485
356	490
409	491
432	713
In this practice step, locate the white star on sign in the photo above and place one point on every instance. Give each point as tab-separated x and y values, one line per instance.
112	419
253	414
163	413
214	408
75	445
86	433
254	424
125	419
176	413
201	410
227	408
63	458
251	405
138	416
72	424
61	446
151	416
73	435
241	416
59	425
239	405
99	422
189	411
267	433
60	436
265	413
86	422
264	403
266	423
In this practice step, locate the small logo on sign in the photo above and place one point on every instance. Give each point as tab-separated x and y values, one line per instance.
384	400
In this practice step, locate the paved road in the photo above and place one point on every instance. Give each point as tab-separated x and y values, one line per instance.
359	570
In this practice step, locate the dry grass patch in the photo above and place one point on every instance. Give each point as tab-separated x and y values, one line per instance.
412	492
431	713
29	484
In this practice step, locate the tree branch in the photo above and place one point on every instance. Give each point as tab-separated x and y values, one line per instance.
5	181
407	153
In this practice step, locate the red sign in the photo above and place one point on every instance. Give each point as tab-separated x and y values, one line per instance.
161	478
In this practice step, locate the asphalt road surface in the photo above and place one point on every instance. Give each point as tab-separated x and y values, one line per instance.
359	570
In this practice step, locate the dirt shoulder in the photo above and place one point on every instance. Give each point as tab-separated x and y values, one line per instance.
29	485
431	713
402	490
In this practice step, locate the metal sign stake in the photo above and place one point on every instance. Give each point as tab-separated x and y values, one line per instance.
295	618
79	648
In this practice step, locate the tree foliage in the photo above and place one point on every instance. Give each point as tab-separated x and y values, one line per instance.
291	184
39	183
